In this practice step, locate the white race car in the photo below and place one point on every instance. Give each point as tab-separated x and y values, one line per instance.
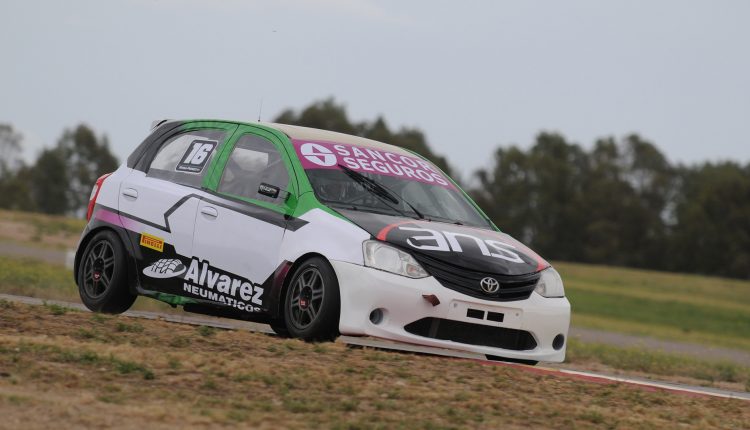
315	233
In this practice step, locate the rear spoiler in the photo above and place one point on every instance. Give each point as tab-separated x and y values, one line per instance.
157	123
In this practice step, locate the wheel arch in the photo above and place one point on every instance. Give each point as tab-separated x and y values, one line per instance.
127	244
280	297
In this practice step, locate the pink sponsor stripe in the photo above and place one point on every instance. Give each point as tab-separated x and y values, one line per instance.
110	217
318	154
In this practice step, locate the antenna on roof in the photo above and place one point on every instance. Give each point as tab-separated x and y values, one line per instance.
260	108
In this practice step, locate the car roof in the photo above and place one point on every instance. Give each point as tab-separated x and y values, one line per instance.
296	132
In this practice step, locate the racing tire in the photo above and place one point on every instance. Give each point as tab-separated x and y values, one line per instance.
102	275
312	302
279	328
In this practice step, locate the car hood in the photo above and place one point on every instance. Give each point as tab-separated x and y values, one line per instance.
471	248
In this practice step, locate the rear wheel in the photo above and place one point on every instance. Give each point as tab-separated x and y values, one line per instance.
103	277
312	303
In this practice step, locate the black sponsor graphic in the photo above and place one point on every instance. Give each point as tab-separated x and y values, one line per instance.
196	156
471	248
268	190
248	209
201	280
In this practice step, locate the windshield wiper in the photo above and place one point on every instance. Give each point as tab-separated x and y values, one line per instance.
379	190
430	217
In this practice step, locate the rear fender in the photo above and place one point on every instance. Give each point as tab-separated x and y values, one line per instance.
94	227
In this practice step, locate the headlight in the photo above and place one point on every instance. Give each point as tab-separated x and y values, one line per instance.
380	256
550	284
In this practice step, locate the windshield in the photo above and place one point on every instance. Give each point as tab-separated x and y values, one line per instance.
379	181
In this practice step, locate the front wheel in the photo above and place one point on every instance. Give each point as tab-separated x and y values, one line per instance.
103	277
312	303
279	327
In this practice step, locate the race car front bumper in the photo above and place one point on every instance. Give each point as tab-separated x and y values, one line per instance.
382	304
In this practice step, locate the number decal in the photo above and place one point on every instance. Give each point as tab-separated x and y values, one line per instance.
196	156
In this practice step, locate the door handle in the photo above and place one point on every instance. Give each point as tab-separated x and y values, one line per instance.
130	192
210	211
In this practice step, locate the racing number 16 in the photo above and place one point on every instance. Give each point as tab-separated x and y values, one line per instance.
199	153
196	156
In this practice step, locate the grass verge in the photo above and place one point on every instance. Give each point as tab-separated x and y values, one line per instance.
167	375
647	363
688	308
33	278
40	230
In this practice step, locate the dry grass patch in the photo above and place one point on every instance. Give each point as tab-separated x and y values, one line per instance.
95	370
44	231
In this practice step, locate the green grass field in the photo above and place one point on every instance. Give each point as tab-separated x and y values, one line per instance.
689	308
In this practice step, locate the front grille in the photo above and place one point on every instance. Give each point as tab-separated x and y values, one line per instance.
518	287
472	334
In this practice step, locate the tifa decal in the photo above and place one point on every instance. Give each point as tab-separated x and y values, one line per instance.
196	156
152	242
165	268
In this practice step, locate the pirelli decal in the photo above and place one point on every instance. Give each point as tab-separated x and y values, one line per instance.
152	242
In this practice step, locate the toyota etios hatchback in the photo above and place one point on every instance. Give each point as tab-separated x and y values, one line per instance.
316	233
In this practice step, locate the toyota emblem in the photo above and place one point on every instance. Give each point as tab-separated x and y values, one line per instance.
489	285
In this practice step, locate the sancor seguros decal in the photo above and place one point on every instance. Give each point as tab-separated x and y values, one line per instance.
328	155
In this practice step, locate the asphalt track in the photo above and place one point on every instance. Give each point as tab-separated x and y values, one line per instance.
368	342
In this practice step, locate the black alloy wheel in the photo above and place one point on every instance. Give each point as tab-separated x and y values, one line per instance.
312	303
98	269
102	275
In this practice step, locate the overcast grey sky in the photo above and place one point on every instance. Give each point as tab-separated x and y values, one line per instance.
471	74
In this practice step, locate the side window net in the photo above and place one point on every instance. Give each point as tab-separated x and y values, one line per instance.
253	161
184	158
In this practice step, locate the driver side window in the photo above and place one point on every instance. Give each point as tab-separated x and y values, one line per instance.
253	161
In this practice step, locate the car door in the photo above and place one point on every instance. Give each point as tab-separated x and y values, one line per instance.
158	203
238	232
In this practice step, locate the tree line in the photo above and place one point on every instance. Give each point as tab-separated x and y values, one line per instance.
59	181
621	202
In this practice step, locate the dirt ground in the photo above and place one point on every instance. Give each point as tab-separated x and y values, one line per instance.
38	230
70	369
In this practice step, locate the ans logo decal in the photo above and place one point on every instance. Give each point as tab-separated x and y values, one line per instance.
165	268
447	241
318	154
196	156
152	242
